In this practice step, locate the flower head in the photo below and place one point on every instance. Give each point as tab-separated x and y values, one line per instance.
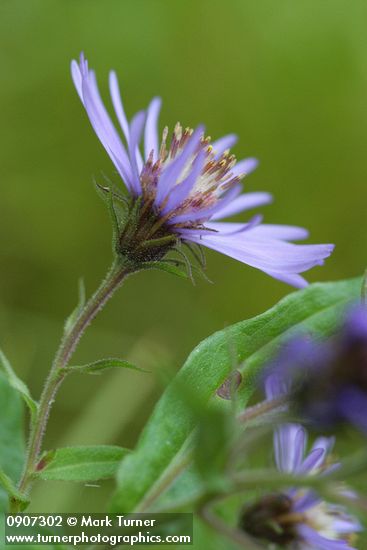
327	381
298	518
183	186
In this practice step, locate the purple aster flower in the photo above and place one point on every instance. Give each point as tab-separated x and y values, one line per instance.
181	189
298	518
326	381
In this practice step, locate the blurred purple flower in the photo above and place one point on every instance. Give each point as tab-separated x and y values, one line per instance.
326	381
190	185
299	518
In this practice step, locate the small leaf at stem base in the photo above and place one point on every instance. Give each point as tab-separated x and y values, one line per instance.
87	463
18	385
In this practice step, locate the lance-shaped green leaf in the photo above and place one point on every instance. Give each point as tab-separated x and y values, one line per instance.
247	345
97	367
18	385
12	447
69	323
87	463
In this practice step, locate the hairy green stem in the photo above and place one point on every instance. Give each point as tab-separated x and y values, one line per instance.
118	272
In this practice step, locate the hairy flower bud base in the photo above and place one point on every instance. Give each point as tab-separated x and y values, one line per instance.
143	237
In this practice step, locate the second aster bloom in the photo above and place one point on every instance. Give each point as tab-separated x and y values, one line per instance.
184	186
299	519
326	381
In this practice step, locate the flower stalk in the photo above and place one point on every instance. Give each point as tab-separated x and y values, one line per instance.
120	269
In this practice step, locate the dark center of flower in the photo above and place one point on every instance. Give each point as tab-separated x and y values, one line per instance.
320	395
271	518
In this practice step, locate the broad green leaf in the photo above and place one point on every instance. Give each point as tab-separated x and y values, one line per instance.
316	309
97	367
184	493
88	463
76	312
12	445
212	440
18	385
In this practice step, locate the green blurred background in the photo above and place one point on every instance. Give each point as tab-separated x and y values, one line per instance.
289	77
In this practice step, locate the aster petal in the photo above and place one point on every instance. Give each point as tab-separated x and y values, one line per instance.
299	449
245	167
306	501
171	174
224	228
276	386
118	150
120	113
207	213
224	143
136	130
313	461
282	232
318	542
77	78
118	105
268	255
241	203
86	85
232	228
318	455
182	190
289	446
151	129
325	443
346	524
292	279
